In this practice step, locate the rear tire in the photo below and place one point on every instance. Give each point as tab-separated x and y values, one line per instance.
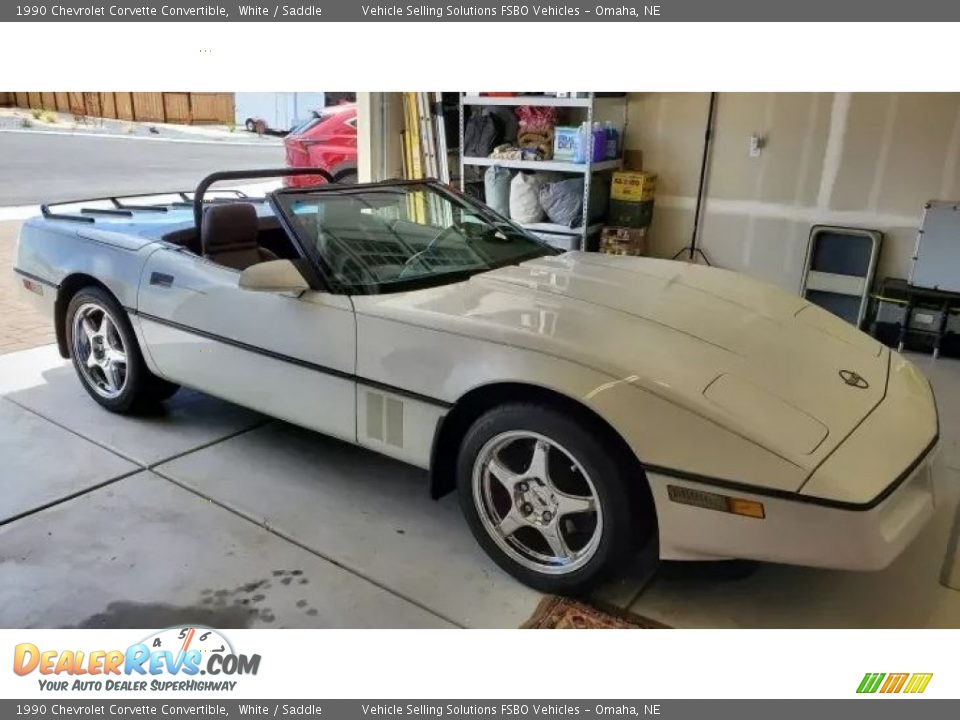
107	357
547	501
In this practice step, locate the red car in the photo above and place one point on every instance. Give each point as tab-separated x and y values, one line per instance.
327	140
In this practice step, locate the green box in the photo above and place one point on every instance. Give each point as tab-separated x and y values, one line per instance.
622	213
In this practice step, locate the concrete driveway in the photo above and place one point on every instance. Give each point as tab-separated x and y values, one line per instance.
210	513
209	510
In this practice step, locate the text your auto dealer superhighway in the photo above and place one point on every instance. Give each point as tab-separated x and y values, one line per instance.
136	11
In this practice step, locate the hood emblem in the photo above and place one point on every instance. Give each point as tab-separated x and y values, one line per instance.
854	379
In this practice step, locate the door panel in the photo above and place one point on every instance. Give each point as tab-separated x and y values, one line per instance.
292	358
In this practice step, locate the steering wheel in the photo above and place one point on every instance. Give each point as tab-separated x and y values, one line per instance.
416	257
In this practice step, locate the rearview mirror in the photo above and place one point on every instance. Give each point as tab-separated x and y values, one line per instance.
274	276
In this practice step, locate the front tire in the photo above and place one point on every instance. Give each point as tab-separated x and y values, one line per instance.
547	501
107	357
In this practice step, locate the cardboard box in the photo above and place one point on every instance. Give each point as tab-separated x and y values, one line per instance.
633	186
629	214
623	241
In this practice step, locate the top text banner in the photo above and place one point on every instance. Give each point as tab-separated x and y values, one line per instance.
483	11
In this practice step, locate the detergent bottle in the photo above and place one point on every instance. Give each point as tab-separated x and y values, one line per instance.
583	147
612	141
599	144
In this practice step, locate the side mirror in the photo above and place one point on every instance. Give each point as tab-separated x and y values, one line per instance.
274	276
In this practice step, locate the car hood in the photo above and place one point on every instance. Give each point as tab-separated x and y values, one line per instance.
762	362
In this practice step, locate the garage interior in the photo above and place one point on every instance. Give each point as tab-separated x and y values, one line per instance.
211	512
869	160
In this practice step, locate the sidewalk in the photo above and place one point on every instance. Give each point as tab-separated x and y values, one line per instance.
45	121
21	327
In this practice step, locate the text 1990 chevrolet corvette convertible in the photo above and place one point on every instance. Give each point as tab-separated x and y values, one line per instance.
581	404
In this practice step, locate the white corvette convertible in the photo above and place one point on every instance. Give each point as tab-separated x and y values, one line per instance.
580	404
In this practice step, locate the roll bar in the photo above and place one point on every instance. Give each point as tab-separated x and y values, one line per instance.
246	175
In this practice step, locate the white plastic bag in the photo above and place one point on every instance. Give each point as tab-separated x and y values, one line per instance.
525	198
497	189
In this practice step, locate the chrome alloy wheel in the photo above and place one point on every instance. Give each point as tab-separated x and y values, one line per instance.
99	351
537	502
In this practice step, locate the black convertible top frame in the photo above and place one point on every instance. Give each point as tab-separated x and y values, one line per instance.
247	175
194	199
120	208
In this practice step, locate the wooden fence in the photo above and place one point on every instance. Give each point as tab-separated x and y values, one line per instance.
167	107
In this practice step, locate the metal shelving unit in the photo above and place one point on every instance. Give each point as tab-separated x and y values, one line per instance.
572	238
540	100
552	165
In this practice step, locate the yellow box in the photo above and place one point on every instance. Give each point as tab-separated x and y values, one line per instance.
633	186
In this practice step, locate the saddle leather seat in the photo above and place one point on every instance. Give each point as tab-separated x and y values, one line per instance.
229	236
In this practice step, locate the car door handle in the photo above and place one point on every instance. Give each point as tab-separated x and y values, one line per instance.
161	280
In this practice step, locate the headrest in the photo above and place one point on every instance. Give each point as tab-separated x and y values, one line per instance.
231	226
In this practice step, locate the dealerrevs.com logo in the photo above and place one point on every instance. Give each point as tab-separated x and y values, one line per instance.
176	659
891	683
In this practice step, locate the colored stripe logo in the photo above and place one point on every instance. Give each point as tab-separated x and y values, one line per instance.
913	683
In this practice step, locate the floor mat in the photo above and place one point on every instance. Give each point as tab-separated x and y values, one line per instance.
559	613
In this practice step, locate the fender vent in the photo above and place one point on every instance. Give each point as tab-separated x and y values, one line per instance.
384	419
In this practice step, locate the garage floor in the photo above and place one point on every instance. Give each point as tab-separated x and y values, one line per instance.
211	513
212	509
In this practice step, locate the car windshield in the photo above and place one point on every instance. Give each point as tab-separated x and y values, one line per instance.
308	124
389	238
